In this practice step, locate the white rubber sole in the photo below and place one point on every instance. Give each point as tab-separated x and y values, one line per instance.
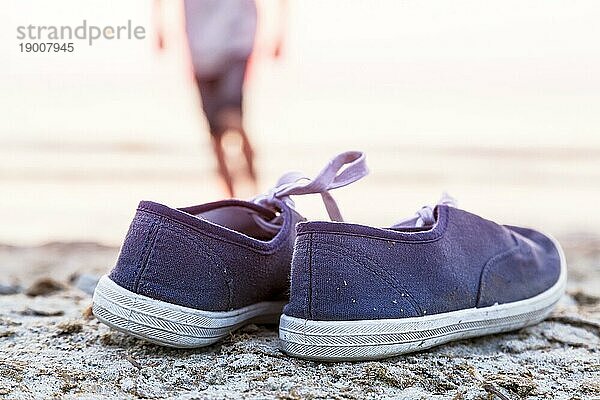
169	324
376	339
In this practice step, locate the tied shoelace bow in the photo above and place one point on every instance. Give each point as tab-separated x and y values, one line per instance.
295	183
425	217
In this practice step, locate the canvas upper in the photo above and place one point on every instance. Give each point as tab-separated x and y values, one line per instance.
458	260
227	254
182	257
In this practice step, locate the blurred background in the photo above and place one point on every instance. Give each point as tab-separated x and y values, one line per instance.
496	102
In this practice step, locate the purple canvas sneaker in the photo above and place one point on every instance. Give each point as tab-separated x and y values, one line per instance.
359	292
187	277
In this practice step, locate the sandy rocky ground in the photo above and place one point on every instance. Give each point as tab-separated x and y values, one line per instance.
52	347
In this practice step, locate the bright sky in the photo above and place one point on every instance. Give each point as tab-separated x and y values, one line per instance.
467	67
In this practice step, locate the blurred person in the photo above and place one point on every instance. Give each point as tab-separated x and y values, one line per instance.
221	37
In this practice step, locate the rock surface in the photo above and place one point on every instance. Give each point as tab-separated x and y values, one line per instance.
51	347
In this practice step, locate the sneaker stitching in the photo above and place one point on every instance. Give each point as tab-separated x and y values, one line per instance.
145	255
386	277
438	235
488	264
196	230
205	248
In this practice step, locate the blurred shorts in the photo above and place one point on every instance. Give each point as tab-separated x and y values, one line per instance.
221	92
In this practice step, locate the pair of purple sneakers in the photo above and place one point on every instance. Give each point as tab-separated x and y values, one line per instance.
188	277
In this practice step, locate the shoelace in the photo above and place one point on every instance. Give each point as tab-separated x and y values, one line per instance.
295	183
425	217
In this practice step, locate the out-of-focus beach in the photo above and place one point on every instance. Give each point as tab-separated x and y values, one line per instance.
461	98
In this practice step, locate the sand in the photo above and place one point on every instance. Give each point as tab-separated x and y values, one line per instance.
51	347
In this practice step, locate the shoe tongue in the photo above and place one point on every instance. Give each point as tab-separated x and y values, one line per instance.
423	218
426	216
